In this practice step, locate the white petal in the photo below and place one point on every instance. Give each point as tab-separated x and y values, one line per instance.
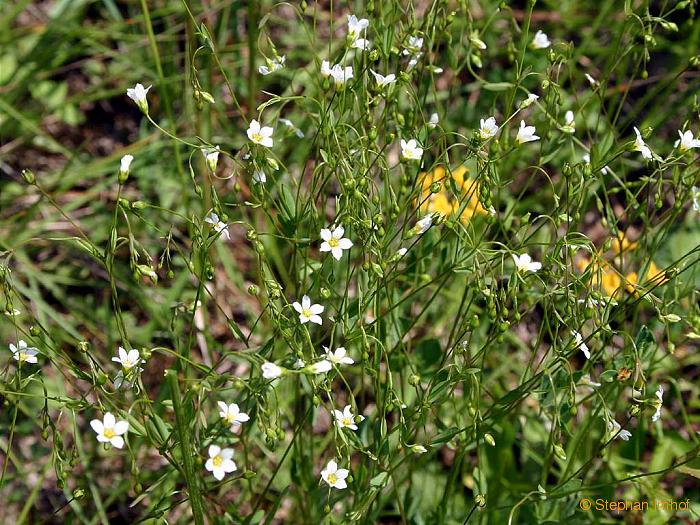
117	441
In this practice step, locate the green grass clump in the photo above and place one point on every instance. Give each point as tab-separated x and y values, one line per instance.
393	262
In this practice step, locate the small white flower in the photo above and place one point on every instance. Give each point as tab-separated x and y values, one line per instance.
260	135
434	121
125	165
423	224
321	367
640	145
524	263
488	128
271	370
138	94
220	461
526	133
686	141
129	359
476	41
299	133
412	63
338	73
531	99
334	476
356	27
411	150
614	429
541	41
334	242
569	123
659	403
415	44
109	430
402	251
307	311
587	159
383	81
592	81
339	357
581	344
259	177
232	415
220	226
212	157
362	44
346	419
272	65
24	353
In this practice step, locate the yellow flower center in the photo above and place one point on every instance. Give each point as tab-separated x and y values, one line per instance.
332	478
23	356
257	137
218	460
333	242
306	312
109	433
347	421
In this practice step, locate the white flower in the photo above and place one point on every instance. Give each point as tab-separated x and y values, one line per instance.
138	94
338	357
307	311
686	141
402	251
411	150
272	65
531	98
659	403
109	430
334	476
423	224
299	133
696	193
526	133
271	370
541	41
356	27
434	121
232	415
346	419
219	225
569	122
321	367
125	165
640	145
412	63
24	353
338	73
383	81
476	41
580	344
592	81
587	159
334	242
614	429
415	44
212	157
259	177
524	263
129	359
260	135
220	461
488	128
362	44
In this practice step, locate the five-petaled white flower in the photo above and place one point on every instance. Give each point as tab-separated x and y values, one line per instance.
109	430
334	242
659	403
138	94
211	155
125	165
129	359
339	357
232	415
219	225
641	146
411	150
338	73
362	44
524	263
334	476
24	353
526	133
307	311
220	461
580	344
260	135
488	128
346	419
321	367
271	370
541	41
356	27
615	430
383	81
686	141
272	65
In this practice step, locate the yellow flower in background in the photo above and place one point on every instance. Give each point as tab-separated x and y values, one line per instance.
443	202
603	276
654	277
